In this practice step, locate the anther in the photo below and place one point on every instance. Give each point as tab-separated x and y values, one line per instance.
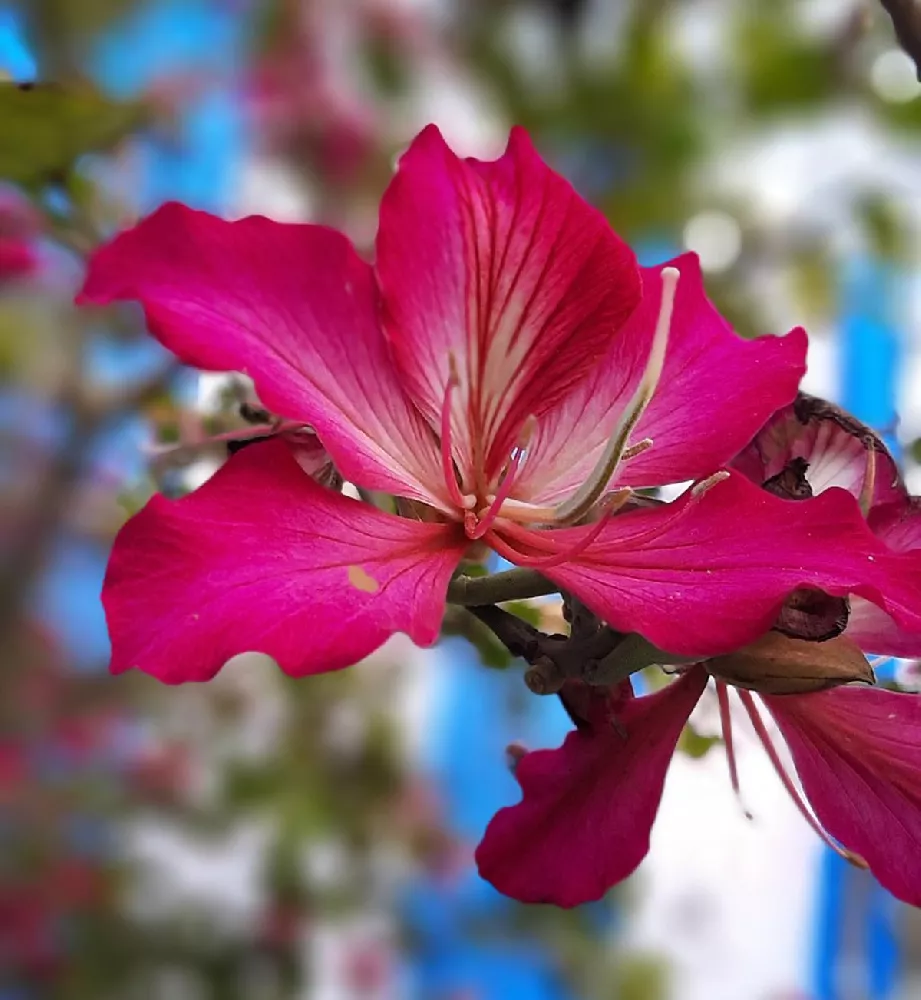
637	449
705	485
582	501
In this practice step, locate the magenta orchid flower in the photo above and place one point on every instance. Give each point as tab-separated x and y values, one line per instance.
506	370
587	808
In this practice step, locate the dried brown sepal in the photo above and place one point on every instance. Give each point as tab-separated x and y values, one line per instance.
777	664
813	615
790	483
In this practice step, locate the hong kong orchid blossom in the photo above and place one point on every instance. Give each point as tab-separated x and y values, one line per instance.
506	371
587	809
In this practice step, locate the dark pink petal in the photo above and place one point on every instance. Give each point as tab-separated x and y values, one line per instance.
503	266
858	754
295	308
707	574
587	808
263	559
831	442
709	372
877	634
898	523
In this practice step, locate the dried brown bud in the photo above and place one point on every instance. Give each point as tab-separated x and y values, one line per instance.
811	614
777	664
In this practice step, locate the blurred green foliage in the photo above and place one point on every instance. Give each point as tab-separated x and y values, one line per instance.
47	127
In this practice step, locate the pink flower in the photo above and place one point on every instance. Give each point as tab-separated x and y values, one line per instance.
506	371
587	809
821	446
19	227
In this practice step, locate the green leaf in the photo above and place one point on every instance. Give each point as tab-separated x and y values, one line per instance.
48	126
694	744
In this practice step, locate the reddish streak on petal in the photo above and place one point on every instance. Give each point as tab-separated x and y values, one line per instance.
587	809
709	371
261	558
504	266
857	751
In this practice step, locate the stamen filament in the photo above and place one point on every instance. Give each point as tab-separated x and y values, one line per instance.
447	460
869	483
582	501
492	512
615	501
722	696
527	513
786	780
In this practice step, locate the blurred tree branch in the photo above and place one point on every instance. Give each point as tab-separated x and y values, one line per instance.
89	415
906	20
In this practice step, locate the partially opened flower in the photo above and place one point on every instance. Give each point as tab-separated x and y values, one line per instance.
507	372
809	447
587	808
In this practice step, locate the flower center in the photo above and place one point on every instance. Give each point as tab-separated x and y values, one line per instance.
480	513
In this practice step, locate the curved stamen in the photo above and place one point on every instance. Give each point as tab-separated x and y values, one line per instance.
869	483
614	502
765	737
543	540
519	455
722	696
492	512
582	501
447	461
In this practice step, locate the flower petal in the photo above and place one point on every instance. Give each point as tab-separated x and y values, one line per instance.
263	559
709	371
858	754
587	808
503	266
292	306
877	634
710	572
833	444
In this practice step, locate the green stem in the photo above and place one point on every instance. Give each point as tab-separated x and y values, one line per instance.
510	585
632	653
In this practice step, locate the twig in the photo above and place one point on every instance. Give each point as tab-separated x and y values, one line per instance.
510	585
906	20
36	536
594	653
